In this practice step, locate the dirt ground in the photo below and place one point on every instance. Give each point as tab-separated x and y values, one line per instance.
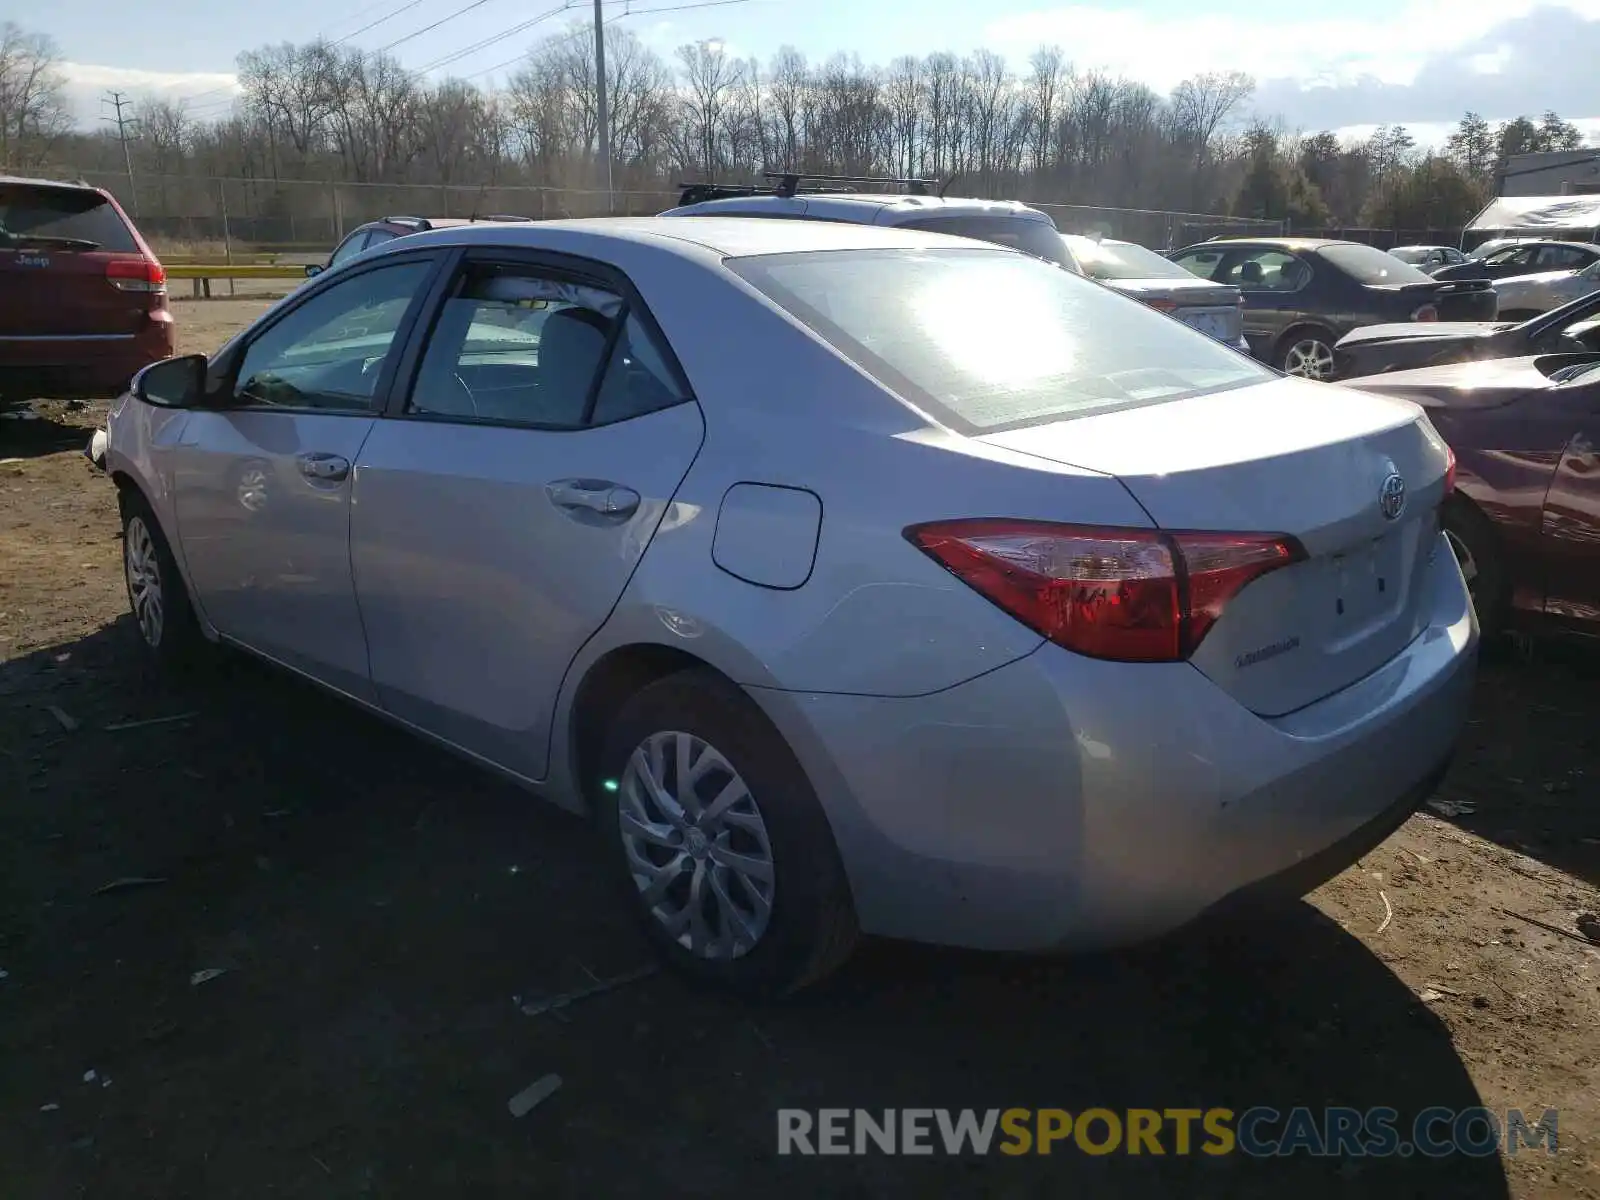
381	912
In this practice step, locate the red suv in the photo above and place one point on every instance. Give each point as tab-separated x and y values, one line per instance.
83	299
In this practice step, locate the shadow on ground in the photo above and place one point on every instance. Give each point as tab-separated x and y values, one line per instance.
379	910
1530	763
25	432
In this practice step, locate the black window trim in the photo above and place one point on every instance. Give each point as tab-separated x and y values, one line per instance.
223	374
566	268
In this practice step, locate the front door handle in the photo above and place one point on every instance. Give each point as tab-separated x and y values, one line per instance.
593	495
326	468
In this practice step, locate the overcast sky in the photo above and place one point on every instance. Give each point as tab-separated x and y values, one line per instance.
1419	63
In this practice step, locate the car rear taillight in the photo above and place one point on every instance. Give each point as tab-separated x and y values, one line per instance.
1426	313
1449	471
1165	306
136	275
1131	595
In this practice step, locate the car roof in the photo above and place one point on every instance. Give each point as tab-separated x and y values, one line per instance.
727	237
864	207
1423	246
1274	243
65	185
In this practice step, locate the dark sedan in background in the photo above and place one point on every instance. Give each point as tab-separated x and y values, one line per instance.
1375	349
1301	295
1500	260
1212	308
1524	518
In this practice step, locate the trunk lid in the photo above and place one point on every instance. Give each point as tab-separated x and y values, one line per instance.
57	244
1413	330
1455	300
1285	457
1212	308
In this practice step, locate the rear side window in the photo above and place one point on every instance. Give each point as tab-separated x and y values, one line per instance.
984	341
1368	264
76	214
1038	238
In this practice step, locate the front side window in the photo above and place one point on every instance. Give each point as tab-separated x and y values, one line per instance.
329	353
517	347
984	341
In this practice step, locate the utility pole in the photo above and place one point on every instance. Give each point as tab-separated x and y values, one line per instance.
604	101
118	101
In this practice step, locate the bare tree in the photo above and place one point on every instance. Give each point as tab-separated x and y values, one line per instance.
33	105
710	78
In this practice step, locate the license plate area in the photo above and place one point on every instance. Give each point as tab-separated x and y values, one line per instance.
1212	324
1367	583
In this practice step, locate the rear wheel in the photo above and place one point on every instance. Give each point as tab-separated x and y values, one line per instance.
1307	353
723	848
1477	550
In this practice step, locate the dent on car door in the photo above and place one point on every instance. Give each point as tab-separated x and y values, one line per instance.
1571	531
501	511
262	474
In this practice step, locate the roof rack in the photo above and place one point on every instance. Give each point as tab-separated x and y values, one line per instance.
791	183
415	222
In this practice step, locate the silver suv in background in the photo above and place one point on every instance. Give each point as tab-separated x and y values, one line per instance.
1002	222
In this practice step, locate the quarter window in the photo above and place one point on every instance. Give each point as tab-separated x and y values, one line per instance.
329	353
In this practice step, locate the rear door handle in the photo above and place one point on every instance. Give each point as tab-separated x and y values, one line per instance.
328	468
593	495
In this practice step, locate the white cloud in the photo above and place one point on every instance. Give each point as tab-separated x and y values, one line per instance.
1162	50
88	83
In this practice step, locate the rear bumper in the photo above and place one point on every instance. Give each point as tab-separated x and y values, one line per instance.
70	368
1063	802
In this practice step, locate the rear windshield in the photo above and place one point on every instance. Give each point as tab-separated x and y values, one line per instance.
984	341
1411	254
1121	260
1038	238
76	213
1368	264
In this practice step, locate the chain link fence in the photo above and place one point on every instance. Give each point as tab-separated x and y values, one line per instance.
210	216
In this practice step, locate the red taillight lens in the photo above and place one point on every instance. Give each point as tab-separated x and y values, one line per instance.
1165	306
136	275
1449	471
1132	595
1426	313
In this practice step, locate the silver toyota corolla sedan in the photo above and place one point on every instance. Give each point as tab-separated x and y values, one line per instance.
855	580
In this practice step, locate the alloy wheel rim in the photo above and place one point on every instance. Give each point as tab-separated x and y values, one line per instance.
1310	359
696	845
144	580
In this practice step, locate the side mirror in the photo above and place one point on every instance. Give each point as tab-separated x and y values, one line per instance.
313	270
172	382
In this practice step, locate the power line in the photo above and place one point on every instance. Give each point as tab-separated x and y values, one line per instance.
576	33
462	11
485	43
389	16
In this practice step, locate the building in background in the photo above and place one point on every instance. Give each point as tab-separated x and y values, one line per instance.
1550	173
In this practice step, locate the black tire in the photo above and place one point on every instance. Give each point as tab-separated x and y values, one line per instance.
811	928
174	639
1477	548
1290	345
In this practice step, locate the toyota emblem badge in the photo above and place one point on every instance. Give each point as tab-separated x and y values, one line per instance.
1392	496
